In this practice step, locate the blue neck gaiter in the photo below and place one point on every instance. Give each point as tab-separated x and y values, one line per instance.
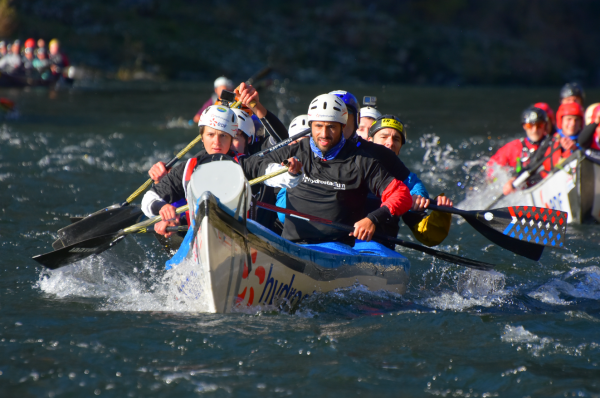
332	153
572	137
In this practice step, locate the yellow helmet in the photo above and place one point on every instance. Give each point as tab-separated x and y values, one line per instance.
53	42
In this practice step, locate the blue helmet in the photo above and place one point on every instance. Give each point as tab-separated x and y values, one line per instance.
351	103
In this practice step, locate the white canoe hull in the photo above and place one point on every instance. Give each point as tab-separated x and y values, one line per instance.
574	189
240	265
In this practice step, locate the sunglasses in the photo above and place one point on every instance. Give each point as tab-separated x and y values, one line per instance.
530	125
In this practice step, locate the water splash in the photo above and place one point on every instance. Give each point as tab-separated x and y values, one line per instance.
574	284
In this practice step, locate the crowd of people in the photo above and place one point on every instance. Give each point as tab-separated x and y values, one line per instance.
549	138
346	169
33	59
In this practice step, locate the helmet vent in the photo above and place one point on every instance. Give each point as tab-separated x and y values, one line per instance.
337	109
313	107
324	105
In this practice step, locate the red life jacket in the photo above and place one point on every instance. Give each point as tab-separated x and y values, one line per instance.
553	155
519	150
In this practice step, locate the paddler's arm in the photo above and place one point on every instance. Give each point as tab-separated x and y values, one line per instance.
586	136
254	167
168	190
395	201
248	94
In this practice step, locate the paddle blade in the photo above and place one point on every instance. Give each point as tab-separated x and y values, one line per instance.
106	221
78	251
522	248
535	225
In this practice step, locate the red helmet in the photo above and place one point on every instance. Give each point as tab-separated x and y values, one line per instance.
29	43
573	109
546	108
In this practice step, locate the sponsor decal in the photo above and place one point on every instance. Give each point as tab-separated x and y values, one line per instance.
335	185
221	109
393	124
277	289
213	122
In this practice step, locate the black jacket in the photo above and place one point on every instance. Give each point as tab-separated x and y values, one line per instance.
335	189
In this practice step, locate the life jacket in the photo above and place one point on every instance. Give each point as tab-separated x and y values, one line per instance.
527	150
553	155
191	166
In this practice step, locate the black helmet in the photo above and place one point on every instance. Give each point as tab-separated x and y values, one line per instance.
388	121
572	89
533	115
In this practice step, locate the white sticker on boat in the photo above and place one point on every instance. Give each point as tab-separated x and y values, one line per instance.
488	216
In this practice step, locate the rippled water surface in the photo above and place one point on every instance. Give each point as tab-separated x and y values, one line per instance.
108	325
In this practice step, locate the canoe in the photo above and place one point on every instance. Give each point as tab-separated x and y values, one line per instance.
573	188
228	262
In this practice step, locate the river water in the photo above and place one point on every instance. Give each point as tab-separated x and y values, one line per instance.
106	326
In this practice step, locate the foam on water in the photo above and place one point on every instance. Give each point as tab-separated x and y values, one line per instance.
474	289
574	284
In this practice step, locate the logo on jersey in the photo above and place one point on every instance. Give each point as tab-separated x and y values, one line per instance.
333	184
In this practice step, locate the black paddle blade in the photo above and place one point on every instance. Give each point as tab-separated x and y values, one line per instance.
103	222
75	219
522	248
450	258
78	251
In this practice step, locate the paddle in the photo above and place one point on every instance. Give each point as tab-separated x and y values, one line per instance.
87	247
113	217
524	230
451	258
259	75
283	143
231	98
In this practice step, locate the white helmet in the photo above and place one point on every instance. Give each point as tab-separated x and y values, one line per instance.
369	111
328	108
223	81
298	125
245	123
220	118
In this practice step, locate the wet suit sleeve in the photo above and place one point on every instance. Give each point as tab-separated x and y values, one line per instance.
395	196
170	188
255	166
586	136
277	125
416	186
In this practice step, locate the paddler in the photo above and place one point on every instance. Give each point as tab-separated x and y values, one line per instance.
432	229
517	154
218	127
590	134
245	134
572	92
338	174
551	125
569	119
570	122
390	161
368	115
220	84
